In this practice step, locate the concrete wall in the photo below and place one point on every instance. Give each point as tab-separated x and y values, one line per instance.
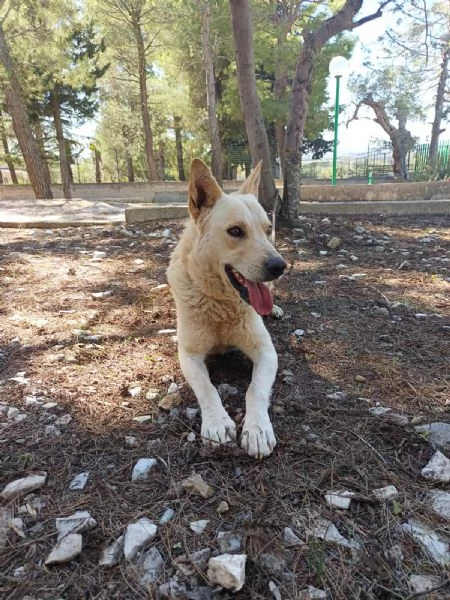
176	192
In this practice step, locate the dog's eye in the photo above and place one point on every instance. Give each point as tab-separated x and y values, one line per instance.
235	232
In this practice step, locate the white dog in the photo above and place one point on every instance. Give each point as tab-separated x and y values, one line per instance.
216	276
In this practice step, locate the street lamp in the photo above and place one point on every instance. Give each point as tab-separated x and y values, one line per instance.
338	67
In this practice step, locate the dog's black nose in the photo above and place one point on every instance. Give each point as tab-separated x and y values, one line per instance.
275	265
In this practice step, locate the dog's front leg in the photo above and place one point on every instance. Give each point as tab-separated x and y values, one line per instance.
217	426
258	438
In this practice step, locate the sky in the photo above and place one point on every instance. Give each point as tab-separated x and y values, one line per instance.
357	136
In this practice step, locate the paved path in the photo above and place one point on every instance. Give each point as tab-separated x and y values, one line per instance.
59	213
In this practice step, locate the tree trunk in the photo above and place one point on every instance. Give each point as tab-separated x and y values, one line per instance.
39	133
161	161
313	42
21	125
254	123
143	92
9	162
130	168
61	140
438	110
98	166
401	139
213	125
179	147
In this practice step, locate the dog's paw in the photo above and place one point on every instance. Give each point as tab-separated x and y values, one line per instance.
218	429
277	312
258	438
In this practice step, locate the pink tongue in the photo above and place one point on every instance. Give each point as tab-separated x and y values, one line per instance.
260	297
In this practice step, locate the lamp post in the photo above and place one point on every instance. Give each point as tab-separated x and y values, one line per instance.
338	67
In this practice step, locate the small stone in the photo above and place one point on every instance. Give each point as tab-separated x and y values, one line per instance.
79	482
173	387
438	469
150	566
12	412
66	549
199	526
52	430
379	248
334	243
336	396
438	434
159	288
359	229
76	523
170	401
51	406
152	394
143	419
312	593
377	411
223	507
167	331
226	391
271	564
229	541
420	316
435	546
63	420
23	486
191	436
299	332
227	570
99	255
326	221
167	516
440	503
360	379
101	295
339	499
396	552
385	493
130	440
380	311
196	485
137	536
172	590
327	531
275	591
323	252
134	391
191	413
143	468
16	524
139	261
420	584
290	538
111	554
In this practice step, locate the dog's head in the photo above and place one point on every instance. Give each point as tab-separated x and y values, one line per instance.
235	235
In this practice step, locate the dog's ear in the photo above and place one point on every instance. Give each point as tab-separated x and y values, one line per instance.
251	184
204	191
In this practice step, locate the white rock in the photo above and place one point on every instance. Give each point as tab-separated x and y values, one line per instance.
336	396
275	591
143	419
142	469
21	487
167	516
290	538
312	593
152	394
436	546
339	499
420	584
16	524
150	566
385	493
420	316
438	469
111	554
66	549
440	503
191	413
326	221
134	391
229	541
100	295
438	434
130	440
76	523
327	531
173	387
191	436
63	419
227	570
12	412
167	331
137	536
159	288
98	255
299	332
199	526
79	482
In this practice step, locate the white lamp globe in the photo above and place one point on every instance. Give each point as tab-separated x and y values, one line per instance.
338	66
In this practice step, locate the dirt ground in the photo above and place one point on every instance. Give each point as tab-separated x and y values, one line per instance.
357	306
